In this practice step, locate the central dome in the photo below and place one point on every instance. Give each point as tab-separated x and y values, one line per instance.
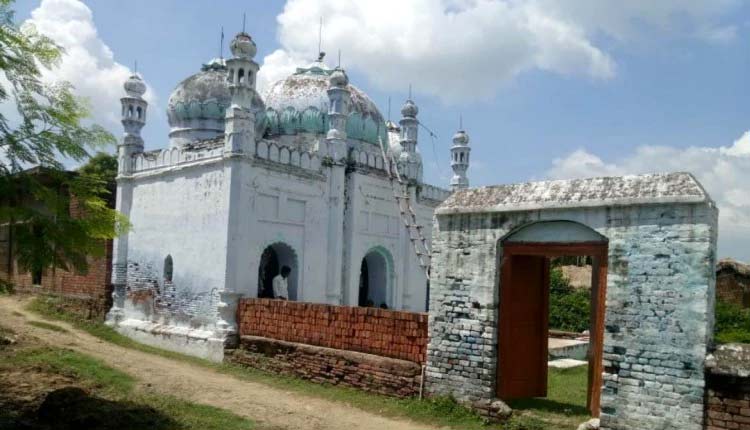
299	104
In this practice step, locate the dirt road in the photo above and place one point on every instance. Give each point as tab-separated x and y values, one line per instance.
270	407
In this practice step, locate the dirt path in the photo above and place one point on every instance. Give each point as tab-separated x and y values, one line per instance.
270	407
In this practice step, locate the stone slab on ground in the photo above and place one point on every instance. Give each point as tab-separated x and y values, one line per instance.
566	363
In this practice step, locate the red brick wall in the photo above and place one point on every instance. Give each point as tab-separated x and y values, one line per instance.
728	403
383	332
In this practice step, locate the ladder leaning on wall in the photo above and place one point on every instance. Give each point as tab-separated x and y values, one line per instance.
408	215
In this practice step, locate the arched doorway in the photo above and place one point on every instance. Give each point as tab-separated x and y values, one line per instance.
524	305
375	279
273	258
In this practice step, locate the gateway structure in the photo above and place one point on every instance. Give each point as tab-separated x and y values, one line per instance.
298	177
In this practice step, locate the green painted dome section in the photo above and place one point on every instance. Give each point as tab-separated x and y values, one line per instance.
299	104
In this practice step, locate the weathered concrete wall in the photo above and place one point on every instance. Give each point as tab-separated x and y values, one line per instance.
382	375
659	318
382	332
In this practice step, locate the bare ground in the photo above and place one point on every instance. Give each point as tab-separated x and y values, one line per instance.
268	406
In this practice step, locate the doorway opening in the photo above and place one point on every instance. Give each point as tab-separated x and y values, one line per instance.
524	330
273	258
374	279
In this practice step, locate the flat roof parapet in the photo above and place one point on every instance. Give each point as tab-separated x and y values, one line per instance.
657	188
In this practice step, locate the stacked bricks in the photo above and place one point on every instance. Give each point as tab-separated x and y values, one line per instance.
383	332
381	375
728	388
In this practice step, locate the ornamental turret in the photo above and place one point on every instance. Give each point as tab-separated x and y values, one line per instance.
339	97
460	160
242	72
410	161
133	119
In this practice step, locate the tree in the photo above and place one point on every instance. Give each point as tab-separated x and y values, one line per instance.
55	218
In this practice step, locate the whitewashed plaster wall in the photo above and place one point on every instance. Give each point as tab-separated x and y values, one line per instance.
278	204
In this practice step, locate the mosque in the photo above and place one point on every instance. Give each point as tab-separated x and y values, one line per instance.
309	175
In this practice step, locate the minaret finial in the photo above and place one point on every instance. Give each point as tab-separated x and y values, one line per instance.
409	91
135	67
389	108
460	121
339	65
244	16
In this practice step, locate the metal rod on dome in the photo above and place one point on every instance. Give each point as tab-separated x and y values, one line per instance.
320	36
244	15
460	121
135	67
221	43
389	108
409	91
339	65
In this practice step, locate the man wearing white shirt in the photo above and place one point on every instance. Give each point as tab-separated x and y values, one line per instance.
280	286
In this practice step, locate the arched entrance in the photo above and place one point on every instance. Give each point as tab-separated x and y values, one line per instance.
524	306
375	279
273	258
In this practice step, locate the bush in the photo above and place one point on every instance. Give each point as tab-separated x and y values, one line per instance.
6	287
732	323
569	308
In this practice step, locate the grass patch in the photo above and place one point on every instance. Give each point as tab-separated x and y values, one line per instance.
117	404
732	323
18	314
48	326
565	404
444	412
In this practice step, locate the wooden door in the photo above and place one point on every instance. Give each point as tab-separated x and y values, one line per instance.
524	319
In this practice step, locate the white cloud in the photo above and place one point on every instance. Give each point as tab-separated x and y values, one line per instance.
724	172
460	50
88	63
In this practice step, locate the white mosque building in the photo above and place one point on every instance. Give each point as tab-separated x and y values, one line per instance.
250	183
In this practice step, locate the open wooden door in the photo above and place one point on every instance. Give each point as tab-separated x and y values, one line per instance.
524	320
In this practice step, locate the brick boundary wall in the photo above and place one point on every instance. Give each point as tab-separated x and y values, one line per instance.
728	388
382	375
383	332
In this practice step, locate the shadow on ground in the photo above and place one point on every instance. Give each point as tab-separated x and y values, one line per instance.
547	405
73	408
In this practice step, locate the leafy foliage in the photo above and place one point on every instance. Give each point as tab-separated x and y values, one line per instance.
569	308
55	218
732	323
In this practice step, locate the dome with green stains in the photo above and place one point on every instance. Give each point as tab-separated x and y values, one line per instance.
299	104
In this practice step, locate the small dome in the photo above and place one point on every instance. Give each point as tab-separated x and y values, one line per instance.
134	86
300	103
339	78
409	109
197	106
243	46
461	138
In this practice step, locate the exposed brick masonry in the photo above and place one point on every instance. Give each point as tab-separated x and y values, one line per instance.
383	332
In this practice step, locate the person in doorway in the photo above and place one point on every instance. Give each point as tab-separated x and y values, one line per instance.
280	285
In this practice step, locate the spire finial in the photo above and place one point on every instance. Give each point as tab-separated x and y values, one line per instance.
409	91
320	37
389	108
244	16
460	121
339	65
135	67
221	43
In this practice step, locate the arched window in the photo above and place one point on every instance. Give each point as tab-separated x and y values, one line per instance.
240	76
168	268
139	111
130	111
462	157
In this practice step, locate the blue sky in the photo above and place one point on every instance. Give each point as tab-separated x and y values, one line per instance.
546	88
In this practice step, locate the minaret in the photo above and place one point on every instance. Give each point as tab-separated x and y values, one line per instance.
133	119
241	75
338	111
460	160
410	160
